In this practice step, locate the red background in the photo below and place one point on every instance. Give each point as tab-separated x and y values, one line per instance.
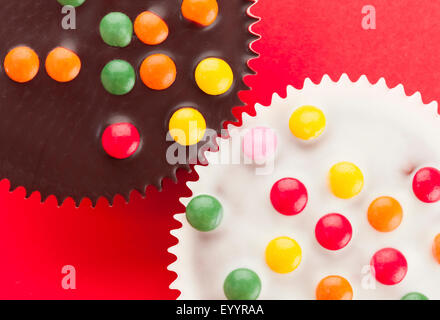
120	252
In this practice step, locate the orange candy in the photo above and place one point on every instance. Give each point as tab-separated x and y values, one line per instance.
203	12
21	64
158	72
150	28
436	248
62	65
334	288
385	214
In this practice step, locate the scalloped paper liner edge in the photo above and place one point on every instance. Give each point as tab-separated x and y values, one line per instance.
344	79
225	124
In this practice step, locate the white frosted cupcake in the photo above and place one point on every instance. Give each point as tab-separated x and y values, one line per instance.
330	193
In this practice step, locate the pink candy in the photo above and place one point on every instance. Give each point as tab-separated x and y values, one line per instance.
259	144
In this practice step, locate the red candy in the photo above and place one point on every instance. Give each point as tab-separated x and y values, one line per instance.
333	231
120	140
426	185
288	196
389	266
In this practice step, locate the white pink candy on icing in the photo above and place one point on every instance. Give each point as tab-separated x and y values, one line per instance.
260	143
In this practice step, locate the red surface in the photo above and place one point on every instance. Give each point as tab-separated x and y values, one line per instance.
436	248
117	252
120	252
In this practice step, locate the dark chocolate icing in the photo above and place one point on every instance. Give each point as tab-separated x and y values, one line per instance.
50	132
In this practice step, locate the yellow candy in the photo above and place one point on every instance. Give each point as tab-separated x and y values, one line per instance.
307	122
187	126
346	180
283	255
214	76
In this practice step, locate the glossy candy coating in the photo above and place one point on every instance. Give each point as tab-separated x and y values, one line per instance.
346	180
118	77
289	196
73	3
214	76
242	284
260	143
21	64
120	140
150	28
307	122
426	185
204	213
187	126
116	29
389	266
385	214
334	288
158	72
333	231
283	255
436	248
414	296
63	65
202	12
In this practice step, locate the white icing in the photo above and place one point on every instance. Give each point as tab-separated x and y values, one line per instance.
381	130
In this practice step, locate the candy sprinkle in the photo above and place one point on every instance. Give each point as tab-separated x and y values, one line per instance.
120	140
187	126
307	122
116	29
202	12
158	72
259	144
289	196
118	77
334	288
333	231
436	248
283	255
346	180
204	213
426	185
389	266
414	296
73	3
21	64
385	214
62	65
150	28
214	76
242	284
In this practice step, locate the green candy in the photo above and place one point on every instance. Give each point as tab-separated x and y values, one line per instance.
414	296
116	29
242	284
73	3
204	213
118	77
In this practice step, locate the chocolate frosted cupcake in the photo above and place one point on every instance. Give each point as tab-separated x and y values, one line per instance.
94	93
